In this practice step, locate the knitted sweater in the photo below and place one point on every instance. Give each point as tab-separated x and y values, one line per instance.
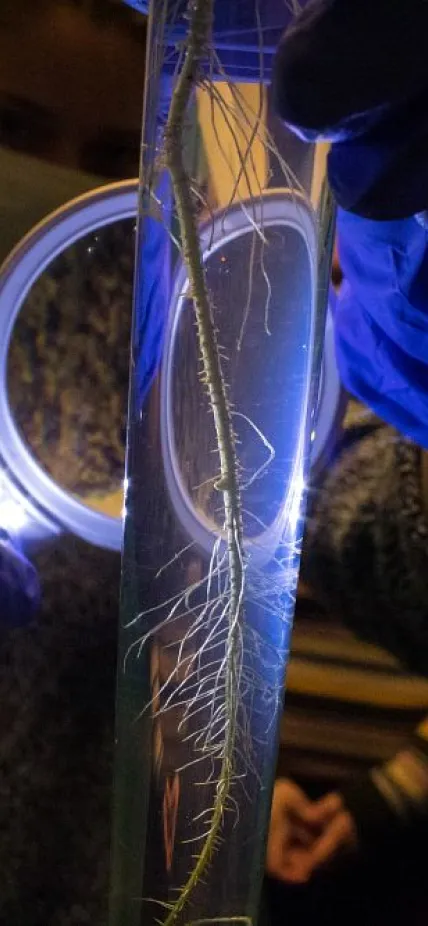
366	559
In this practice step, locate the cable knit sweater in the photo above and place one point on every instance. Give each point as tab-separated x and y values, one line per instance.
366	559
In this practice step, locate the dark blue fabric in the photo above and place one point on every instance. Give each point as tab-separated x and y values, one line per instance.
383	172
356	72
343	58
19	587
382	319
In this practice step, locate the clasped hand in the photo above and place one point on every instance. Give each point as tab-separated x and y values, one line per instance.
305	835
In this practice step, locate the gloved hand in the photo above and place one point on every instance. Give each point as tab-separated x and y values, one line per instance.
355	72
19	586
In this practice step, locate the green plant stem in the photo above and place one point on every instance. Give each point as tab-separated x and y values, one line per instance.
198	40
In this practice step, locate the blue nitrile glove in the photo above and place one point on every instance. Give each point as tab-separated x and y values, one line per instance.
19	586
356	72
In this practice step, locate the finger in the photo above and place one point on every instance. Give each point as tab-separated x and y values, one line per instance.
286	791
277	855
337	836
274	855
295	868
296	871
288	801
322	811
335	47
283	841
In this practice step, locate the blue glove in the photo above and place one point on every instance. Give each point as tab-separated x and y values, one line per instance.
355	72
19	586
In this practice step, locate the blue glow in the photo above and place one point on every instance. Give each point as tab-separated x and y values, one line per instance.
14	519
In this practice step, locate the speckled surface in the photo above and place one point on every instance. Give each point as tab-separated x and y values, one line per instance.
57	686
68	362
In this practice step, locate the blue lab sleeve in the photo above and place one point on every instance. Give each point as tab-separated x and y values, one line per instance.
19	586
382	319
355	73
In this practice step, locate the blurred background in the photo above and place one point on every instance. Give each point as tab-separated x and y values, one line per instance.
71	92
71	85
71	89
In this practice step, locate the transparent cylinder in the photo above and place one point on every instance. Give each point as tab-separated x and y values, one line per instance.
233	259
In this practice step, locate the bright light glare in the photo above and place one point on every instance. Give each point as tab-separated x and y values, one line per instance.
297	491
124	513
13	517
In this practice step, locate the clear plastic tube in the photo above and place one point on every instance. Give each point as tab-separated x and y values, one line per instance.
235	234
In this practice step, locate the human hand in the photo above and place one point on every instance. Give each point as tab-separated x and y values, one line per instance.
336	77
337	829
289	835
354	72
304	835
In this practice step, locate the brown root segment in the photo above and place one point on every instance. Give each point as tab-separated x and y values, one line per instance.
200	16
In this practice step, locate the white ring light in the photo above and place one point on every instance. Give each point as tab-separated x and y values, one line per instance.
50	508
33	505
280	208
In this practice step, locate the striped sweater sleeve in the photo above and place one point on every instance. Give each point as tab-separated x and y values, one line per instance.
366	559
393	799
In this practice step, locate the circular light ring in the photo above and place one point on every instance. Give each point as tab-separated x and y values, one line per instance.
50	508
23	267
278	208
